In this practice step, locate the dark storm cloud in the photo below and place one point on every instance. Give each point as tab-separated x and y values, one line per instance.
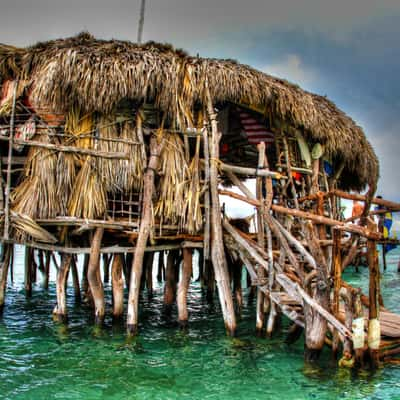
345	49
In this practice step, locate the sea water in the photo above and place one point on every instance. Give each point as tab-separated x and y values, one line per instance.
40	359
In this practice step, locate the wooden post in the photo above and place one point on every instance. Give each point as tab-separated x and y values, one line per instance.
337	279
94	278
374	288
170	282
60	310
237	284
315	323
4	266
183	287
46	277
28	271
261	273
117	286
144	232
217	247
149	258
106	267
75	280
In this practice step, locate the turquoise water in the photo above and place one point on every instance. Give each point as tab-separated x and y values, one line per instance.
42	360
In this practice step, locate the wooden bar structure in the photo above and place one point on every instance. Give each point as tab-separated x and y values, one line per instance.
139	168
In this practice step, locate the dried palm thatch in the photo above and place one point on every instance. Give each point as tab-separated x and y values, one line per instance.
192	218
25	226
37	195
120	175
97	75
88	198
174	174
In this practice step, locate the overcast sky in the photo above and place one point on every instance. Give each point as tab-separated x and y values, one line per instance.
345	49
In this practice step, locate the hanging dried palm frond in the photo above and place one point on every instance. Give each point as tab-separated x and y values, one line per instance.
88	198
192	219
37	195
174	173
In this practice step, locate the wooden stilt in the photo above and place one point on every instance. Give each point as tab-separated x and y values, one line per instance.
170	282
117	286
261	273
94	278
315	324
144	232
75	280
337	280
149	258
183	287
28	271
4	267
60	310
84	281
374	287
217	247
106	267
46	276
237	285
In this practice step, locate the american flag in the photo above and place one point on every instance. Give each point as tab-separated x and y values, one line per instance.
255	131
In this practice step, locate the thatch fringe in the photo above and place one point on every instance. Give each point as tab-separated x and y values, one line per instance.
174	173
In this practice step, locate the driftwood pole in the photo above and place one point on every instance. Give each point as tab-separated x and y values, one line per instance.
4	266
217	246
144	232
117	286
94	278
337	279
183	287
374	334
261	273
207	267
60	310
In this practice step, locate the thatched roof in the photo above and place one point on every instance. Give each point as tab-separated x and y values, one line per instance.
96	75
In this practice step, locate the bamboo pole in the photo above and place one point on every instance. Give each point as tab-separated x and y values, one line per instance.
94	278
117	286
217	248
144	232
4	267
60	310
183	287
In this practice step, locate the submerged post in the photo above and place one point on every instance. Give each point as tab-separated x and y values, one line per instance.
60	310
94	278
183	287
217	246
144	232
